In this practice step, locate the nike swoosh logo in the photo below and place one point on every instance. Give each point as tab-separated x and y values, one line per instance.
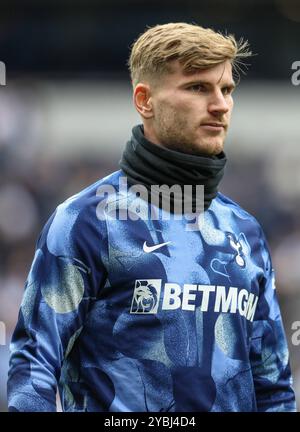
149	249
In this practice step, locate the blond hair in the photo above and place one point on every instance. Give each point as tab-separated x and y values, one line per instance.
195	47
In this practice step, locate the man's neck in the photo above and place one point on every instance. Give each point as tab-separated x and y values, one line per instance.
151	136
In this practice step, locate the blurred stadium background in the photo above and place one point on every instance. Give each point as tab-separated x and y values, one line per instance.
66	113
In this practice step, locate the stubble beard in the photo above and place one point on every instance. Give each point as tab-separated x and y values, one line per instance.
173	133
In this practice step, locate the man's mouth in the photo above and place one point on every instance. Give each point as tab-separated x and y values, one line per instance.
214	126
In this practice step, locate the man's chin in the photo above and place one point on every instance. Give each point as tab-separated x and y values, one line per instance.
208	148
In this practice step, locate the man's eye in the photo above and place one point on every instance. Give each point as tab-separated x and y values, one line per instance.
197	88
227	90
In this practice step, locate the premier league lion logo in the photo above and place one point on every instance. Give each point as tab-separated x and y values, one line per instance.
146	296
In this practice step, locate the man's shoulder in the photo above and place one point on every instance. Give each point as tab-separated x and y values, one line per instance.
234	208
80	210
89	196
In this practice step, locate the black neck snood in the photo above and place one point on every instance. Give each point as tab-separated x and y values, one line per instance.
148	164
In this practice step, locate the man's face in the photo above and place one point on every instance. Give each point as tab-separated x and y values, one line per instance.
191	112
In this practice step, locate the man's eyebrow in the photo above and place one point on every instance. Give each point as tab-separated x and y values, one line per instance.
230	84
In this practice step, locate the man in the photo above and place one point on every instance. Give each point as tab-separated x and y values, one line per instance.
163	313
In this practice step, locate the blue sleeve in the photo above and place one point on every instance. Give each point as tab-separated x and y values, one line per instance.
65	277
269	351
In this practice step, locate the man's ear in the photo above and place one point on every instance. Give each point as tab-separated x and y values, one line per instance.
142	100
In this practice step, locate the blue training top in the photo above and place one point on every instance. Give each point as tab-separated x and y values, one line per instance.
149	315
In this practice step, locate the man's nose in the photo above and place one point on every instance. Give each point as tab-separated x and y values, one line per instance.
218	103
